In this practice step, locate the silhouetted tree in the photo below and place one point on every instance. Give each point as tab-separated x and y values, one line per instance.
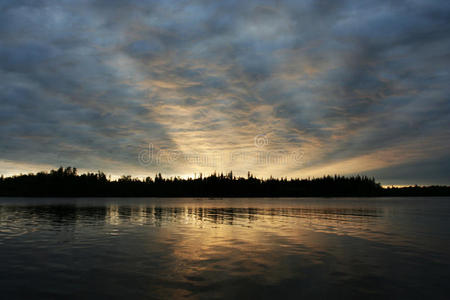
67	182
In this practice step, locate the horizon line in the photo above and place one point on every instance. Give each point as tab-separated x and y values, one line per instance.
115	178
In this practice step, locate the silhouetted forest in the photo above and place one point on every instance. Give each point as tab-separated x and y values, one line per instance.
67	182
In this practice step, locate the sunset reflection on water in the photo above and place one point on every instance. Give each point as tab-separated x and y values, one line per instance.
216	248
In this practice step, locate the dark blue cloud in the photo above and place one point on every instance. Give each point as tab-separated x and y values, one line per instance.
92	82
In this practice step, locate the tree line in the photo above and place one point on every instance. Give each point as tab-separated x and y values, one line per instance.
68	183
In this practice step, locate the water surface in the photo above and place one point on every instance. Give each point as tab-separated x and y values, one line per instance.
90	248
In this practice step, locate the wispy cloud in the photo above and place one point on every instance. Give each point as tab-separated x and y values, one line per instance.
355	86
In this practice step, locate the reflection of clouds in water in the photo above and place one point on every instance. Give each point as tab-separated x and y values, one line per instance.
222	248
365	223
356	222
112	216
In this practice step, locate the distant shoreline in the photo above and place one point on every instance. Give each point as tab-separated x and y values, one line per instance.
66	182
223	197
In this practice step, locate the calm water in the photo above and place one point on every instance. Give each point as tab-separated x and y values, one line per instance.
225	248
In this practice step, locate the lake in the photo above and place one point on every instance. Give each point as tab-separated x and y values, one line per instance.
257	248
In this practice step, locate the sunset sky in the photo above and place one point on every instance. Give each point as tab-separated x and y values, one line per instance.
282	88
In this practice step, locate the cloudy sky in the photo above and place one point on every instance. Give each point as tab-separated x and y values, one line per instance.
282	88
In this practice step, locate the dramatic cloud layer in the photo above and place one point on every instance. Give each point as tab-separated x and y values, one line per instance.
285	88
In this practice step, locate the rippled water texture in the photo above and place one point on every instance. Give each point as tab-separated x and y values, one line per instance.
225	248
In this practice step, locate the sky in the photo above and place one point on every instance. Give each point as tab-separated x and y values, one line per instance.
281	88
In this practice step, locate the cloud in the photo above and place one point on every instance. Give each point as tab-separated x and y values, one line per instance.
93	83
